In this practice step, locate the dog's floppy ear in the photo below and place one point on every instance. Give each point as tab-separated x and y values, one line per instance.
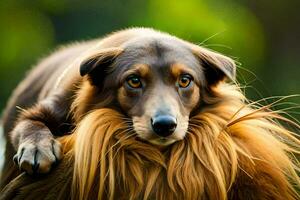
216	66
96	63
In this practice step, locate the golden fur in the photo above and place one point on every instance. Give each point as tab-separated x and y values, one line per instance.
231	147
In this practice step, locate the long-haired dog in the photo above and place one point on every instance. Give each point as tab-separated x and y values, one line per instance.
154	118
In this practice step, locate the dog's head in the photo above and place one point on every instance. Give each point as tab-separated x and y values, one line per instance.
157	80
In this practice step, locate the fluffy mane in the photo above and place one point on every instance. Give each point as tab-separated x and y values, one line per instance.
229	144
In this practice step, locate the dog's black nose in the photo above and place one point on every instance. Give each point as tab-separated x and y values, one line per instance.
163	125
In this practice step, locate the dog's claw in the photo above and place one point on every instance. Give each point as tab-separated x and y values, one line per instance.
16	159
35	168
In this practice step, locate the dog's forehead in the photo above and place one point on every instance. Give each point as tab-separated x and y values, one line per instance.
157	52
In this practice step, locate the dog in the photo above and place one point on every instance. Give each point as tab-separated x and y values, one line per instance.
146	115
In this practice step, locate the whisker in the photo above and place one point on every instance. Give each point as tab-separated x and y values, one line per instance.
210	37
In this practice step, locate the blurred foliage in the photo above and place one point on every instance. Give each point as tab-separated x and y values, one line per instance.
263	36
224	27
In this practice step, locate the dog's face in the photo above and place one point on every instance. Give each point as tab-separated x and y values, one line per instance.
159	87
158	82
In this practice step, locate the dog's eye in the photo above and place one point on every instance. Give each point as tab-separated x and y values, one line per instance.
184	80
134	81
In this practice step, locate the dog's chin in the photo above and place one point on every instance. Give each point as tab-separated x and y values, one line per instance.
159	141
162	141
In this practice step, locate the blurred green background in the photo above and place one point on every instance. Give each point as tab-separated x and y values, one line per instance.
264	36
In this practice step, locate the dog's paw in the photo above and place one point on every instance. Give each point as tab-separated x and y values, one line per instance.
38	157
